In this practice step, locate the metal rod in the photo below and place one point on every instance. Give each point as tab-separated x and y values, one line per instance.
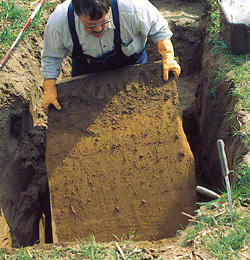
22	31
225	171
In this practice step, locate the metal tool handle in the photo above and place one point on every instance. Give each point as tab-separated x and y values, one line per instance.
225	171
223	158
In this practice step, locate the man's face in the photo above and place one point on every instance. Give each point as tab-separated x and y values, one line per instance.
95	27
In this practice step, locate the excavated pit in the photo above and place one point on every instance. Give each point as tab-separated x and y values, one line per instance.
24	195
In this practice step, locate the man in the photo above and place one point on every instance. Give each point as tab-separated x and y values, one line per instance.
101	35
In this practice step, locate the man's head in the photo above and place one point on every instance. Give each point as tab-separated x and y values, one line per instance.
94	15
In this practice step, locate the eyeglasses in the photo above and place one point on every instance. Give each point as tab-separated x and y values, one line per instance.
95	25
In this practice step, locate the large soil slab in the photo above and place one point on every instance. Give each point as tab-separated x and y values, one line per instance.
117	157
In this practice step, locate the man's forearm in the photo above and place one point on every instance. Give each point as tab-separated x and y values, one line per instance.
51	67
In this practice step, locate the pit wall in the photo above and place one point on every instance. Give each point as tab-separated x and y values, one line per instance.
23	190
215	122
24	194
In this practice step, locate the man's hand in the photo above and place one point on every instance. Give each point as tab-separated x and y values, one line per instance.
165	48
50	95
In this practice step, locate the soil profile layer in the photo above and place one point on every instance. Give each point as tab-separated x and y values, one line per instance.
117	157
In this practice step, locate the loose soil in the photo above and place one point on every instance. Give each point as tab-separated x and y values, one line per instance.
24	196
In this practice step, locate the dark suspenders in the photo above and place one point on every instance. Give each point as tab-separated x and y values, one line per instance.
117	33
72	29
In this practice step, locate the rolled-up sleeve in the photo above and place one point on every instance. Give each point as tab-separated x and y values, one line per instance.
54	51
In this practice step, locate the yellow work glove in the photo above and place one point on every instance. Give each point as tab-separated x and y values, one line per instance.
50	95
166	49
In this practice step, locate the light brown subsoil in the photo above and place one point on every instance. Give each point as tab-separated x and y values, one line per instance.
5	239
117	157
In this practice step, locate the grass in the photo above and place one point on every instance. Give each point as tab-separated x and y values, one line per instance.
241	189
81	250
13	17
213	228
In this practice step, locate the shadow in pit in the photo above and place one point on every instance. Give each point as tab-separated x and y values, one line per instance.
24	189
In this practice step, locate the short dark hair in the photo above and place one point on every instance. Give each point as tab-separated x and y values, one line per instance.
93	8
